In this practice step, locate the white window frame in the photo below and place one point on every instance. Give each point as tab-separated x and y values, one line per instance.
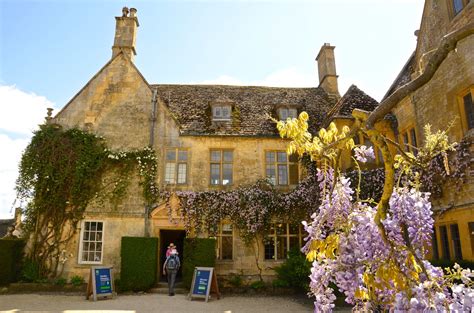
176	163
219	236
288	110
220	117
287	165
274	237
83	226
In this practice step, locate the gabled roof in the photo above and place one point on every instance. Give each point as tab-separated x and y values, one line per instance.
403	77
191	106
4	224
354	98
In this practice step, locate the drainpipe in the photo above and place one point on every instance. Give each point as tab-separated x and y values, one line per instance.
151	144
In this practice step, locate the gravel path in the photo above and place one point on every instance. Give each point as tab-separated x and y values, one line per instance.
151	303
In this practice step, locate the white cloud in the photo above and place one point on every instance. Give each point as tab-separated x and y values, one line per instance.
20	114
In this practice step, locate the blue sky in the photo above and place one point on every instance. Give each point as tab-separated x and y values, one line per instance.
50	49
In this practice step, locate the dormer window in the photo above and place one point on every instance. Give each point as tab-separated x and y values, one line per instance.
285	113
221	112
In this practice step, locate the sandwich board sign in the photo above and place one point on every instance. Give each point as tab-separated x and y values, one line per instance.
100	282
204	282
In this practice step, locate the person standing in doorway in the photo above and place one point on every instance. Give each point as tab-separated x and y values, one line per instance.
170	248
170	268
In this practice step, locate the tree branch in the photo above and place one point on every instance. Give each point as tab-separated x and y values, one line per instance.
446	45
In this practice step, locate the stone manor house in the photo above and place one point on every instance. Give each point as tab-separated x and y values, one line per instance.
215	137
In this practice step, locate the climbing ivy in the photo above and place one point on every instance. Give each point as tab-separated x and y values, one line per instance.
60	173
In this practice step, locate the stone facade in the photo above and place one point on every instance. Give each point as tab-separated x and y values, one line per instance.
439	103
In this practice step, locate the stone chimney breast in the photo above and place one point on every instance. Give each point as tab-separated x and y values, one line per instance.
125	33
327	70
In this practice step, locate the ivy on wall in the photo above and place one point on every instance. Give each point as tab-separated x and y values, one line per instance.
60	173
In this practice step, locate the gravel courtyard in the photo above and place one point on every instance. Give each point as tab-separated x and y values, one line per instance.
151	303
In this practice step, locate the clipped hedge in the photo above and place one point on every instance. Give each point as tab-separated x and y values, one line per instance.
197	252
294	272
138	263
11	260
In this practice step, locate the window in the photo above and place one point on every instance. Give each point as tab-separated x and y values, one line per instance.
91	242
457	6
469	110
443	232
456	241
281	169
221	112
409	141
225	241
176	166
285	113
221	167
434	244
471	234
281	238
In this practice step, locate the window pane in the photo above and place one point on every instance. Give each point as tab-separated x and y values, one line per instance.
271	231
227	228
93	226
281	229
294	229
294	174
227	174
469	109
92	236
87	225
182	155
226	112
182	167
292	113
282	175
294	243
170	173
215	155
405	142
293	158
97	256
444	242
217	112
228	156
86	235
281	248
456	242
283	114
270	157
215	174
227	248
457	6
281	157
171	155
270	174
99	226
434	244
471	234
269	248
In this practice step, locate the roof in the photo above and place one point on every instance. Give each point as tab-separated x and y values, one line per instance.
354	98
191	106
4	224
403	77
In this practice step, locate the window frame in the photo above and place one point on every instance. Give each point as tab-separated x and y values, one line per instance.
219	236
176	163
455	242
451	9
274	237
221	167
405	139
81	241
462	107
221	118
287	108
276	165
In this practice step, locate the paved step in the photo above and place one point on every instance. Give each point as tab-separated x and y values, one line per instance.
164	290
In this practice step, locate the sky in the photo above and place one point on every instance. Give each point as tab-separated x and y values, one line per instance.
49	50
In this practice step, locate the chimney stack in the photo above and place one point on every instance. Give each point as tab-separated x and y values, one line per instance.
327	70
125	33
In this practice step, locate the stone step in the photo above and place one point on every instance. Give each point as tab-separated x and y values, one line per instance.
164	290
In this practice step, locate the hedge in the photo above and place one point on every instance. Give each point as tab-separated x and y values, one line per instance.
197	252
138	263
11	260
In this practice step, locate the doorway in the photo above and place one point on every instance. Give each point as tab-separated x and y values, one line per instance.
167	237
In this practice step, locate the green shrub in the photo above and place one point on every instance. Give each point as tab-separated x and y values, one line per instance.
138	264
197	252
31	271
11	259
450	263
235	280
257	285
60	281
278	283
77	280
294	272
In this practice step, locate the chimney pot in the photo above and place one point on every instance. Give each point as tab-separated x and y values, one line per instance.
133	12
125	33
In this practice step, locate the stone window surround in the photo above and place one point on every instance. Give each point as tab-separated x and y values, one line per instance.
221	162
405	139
288	107
290	181
177	162
81	237
461	106
215	105
450	4
219	236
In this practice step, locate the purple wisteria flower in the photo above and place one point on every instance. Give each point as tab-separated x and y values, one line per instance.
362	153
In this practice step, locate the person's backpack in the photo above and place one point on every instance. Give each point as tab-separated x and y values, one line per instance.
172	263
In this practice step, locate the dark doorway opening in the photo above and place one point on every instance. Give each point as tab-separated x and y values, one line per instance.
167	237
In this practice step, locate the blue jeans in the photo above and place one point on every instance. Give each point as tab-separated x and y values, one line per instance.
171	274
